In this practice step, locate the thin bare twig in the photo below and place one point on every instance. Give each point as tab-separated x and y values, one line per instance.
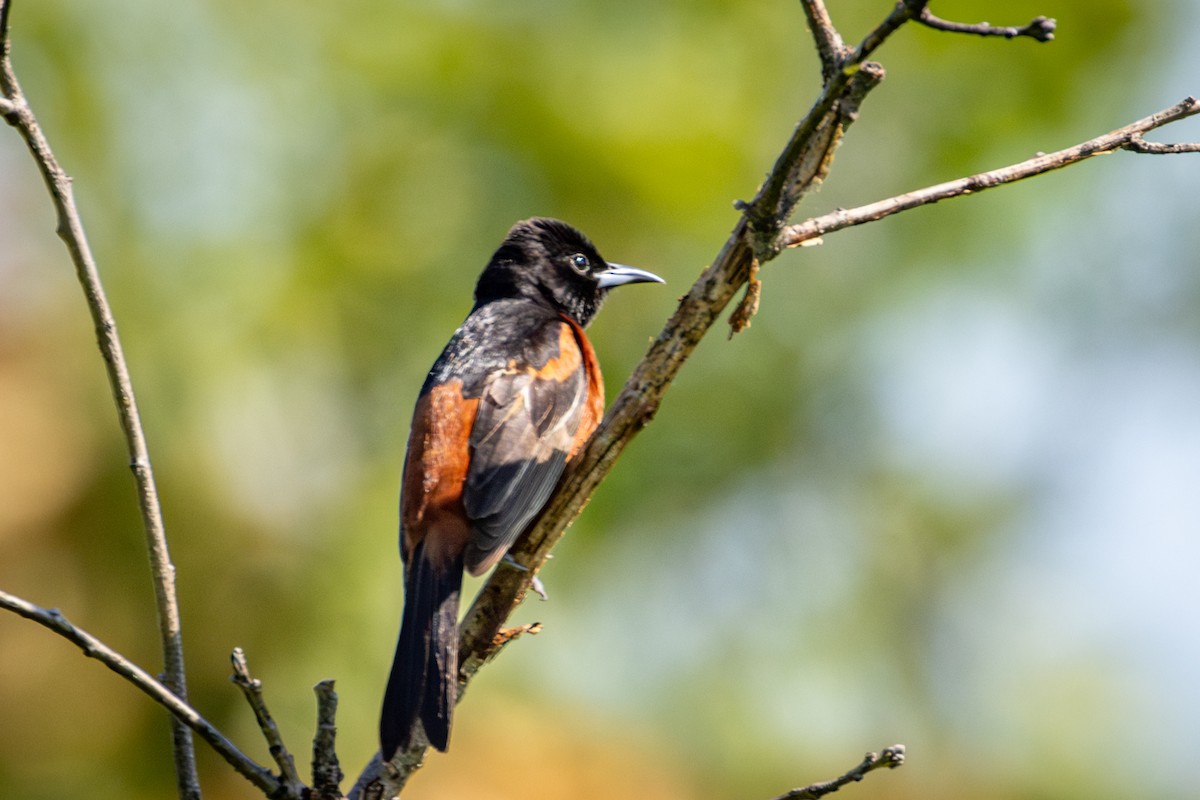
1139	145
902	12
326	771
252	688
1122	138
1040	28
828	41
890	757
94	648
70	229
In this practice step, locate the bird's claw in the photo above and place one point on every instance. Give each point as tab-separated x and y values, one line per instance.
536	584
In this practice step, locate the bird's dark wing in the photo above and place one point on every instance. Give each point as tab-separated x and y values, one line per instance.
525	427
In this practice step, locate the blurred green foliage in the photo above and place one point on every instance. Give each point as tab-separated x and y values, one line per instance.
290	204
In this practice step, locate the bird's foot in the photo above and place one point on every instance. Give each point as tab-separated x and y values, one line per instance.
536	584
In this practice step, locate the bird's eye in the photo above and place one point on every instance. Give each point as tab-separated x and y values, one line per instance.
580	262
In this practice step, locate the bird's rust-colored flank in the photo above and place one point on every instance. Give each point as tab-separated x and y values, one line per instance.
438	457
514	395
593	412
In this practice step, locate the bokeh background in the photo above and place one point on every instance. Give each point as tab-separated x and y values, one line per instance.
945	491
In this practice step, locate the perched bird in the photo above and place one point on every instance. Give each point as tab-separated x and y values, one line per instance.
511	399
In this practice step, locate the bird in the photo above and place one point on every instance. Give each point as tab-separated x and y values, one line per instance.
510	401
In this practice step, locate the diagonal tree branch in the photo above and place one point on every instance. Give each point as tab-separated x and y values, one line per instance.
796	170
158	692
803	163
16	112
1126	138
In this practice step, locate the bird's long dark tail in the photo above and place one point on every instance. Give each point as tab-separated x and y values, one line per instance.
423	685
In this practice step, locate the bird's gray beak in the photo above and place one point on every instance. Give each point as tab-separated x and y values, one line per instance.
619	274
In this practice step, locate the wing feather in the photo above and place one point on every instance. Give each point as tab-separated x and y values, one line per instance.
525	426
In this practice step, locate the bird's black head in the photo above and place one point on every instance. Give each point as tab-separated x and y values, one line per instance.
552	263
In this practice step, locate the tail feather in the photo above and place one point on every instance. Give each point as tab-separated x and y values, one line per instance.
423	685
